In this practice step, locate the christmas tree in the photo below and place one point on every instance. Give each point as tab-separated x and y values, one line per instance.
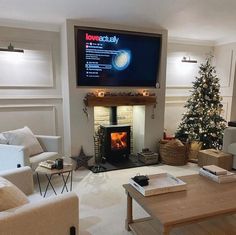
202	121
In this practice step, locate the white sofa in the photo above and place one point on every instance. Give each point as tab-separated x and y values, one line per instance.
55	215
229	143
12	155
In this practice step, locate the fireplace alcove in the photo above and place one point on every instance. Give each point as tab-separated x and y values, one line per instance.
115	142
117	138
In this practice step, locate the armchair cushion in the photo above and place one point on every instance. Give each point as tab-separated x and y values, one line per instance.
25	137
3	140
13	155
10	195
53	215
48	216
232	148
21	177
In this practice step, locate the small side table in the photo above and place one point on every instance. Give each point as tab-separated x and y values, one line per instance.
65	174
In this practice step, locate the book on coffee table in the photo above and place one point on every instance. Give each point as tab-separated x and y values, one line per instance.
159	184
227	178
216	170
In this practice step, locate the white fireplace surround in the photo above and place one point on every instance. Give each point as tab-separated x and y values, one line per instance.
80	127
141	116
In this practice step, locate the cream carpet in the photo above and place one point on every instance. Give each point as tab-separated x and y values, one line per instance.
102	209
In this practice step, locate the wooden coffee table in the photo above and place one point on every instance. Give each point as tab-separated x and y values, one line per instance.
195	211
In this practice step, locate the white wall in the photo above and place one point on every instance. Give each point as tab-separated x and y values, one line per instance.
181	75
40	89
138	128
225	59
81	126
30	83
179	78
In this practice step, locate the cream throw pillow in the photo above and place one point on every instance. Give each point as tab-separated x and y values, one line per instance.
24	137
10	195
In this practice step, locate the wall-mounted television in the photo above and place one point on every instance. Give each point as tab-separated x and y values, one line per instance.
108	57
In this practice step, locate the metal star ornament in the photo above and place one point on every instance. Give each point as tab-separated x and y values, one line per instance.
81	159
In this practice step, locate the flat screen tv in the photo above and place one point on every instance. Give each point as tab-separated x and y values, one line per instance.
116	58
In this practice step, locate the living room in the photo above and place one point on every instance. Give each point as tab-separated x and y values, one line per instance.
40	90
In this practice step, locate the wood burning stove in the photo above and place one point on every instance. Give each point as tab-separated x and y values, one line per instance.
115	142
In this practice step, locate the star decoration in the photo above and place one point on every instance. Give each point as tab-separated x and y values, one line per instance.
81	159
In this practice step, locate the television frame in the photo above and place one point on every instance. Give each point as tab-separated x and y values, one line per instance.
112	30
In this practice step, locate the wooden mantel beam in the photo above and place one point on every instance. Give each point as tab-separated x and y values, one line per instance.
118	100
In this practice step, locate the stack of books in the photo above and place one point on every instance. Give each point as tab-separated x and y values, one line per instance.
217	174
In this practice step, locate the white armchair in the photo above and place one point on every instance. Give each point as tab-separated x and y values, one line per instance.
55	215
229	143
12	155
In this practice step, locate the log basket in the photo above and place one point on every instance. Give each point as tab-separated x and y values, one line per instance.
173	152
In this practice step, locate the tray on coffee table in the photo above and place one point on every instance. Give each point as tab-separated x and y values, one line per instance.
160	183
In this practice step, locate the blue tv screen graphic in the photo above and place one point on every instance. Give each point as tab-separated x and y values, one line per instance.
116	58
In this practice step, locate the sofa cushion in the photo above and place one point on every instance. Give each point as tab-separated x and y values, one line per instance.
35	160
25	137
10	195
232	148
3	140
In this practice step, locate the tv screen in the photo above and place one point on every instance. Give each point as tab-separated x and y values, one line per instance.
116	58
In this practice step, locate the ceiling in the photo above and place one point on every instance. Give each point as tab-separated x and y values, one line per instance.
211	20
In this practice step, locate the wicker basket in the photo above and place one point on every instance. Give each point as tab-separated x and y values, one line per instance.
194	148
172	154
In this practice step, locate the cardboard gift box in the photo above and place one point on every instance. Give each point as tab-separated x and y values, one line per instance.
215	157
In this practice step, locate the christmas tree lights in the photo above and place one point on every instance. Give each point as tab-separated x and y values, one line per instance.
203	121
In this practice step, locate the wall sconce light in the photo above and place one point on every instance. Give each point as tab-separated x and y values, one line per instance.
188	60
100	93
11	48
145	93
